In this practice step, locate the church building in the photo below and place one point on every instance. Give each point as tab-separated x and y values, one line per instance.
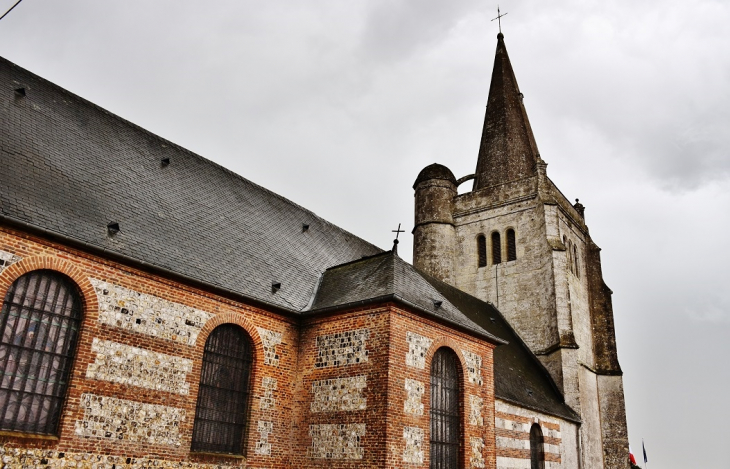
161	311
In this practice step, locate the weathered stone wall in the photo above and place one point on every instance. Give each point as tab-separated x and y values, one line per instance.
433	232
523	290
590	429
148	314
545	294
613	421
413	453
573	291
125	420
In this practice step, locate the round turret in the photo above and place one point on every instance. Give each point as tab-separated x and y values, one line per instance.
434	235
435	171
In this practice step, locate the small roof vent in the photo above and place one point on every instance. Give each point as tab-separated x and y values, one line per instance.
165	162
305	227
275	287
112	228
437	303
20	91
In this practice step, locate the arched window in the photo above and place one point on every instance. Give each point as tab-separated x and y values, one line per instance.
575	259
220	415
39	322
537	453
511	245
445	399
482	250
496	248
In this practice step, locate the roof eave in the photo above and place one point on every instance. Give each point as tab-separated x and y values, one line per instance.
148	267
392	297
574	418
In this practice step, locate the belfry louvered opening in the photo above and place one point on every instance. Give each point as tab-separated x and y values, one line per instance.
511	245
482	250
40	321
221	412
445	429
496	248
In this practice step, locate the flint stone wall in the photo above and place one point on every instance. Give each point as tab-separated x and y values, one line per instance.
121	419
124	364
7	259
342	348
418	346
414	393
339	394
413	452
336	441
147	314
52	459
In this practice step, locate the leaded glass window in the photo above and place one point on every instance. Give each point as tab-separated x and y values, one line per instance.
40	321
445	426
221	412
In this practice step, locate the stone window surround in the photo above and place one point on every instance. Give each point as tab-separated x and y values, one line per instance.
504	248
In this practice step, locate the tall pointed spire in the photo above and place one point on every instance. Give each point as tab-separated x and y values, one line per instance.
508	150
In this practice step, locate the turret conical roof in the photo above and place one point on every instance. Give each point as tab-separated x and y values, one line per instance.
508	150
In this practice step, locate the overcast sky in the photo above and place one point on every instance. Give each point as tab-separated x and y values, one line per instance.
337	105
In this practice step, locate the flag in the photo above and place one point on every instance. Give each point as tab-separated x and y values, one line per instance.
631	456
643	448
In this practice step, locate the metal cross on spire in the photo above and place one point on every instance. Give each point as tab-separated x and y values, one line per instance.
499	19
395	241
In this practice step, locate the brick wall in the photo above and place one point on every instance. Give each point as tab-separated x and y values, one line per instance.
134	383
346	390
413	343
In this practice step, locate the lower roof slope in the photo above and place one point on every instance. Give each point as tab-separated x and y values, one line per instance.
70	168
387	277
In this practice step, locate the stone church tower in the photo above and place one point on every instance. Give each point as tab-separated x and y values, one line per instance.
516	241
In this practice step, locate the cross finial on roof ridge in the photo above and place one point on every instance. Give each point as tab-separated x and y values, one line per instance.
395	241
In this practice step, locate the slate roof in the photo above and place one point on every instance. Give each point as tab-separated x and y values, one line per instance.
70	167
508	150
386	277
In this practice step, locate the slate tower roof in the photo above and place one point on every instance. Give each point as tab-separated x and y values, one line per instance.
508	151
